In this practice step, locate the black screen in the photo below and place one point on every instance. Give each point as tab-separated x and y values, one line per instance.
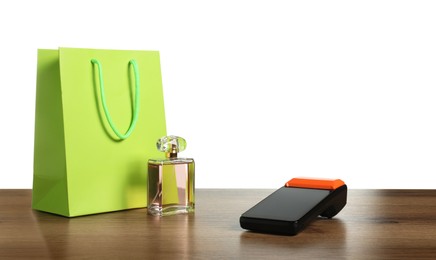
288	204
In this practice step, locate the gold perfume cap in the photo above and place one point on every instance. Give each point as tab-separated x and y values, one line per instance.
171	145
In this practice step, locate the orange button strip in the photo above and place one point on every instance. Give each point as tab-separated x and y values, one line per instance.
315	183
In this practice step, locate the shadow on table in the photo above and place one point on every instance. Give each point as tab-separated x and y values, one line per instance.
124	234
326	237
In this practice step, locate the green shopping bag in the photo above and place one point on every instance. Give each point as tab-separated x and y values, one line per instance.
98	116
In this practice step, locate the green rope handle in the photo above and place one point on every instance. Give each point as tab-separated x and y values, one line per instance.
103	100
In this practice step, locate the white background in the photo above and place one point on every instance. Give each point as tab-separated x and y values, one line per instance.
263	91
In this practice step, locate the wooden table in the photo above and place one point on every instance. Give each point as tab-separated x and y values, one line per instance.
375	224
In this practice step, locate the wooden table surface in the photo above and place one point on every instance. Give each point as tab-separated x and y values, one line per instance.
375	224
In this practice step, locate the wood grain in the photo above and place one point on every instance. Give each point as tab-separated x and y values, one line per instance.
375	224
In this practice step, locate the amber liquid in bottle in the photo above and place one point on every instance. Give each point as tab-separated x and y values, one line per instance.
171	186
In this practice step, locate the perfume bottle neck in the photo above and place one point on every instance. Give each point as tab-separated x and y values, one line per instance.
173	152
171	155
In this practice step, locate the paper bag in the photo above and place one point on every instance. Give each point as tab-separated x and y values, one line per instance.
98	116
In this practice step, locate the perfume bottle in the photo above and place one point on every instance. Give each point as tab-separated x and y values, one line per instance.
171	180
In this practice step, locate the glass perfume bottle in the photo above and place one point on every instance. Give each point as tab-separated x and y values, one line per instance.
171	180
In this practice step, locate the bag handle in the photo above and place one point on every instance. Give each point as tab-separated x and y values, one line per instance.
103	100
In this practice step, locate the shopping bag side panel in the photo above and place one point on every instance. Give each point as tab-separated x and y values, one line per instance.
105	174
49	177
